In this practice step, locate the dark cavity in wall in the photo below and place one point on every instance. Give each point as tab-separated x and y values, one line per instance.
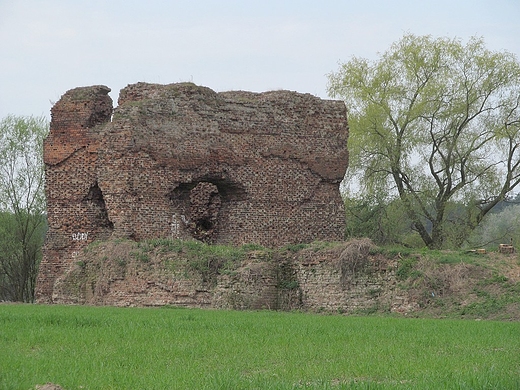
97	208
204	202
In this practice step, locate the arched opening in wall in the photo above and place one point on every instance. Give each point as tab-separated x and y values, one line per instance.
97	209
202	204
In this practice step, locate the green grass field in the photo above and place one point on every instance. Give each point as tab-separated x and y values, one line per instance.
128	348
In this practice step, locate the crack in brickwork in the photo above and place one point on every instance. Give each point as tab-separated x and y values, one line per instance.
183	161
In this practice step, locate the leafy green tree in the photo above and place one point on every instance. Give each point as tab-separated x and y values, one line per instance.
434	122
382	220
22	205
502	227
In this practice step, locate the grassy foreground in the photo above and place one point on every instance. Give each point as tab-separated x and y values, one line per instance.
128	348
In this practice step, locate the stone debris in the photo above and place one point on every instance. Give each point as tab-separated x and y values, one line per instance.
48	386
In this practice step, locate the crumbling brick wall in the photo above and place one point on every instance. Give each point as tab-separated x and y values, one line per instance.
183	161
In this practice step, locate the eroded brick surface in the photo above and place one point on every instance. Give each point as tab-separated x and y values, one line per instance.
183	161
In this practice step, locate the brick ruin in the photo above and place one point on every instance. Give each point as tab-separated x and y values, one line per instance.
183	161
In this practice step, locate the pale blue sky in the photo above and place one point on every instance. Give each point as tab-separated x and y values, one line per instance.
50	46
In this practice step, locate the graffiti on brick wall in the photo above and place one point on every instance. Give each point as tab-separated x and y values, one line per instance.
175	226
80	236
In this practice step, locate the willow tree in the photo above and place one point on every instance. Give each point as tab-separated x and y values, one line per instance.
433	122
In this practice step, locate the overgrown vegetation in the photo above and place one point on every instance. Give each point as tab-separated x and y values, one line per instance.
118	348
461	284
205	259
434	283
211	260
353	260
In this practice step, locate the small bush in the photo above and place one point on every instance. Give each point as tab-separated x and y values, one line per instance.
288	284
142	257
252	247
295	247
406	269
354	259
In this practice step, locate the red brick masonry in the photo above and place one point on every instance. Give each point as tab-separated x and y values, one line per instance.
183	161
